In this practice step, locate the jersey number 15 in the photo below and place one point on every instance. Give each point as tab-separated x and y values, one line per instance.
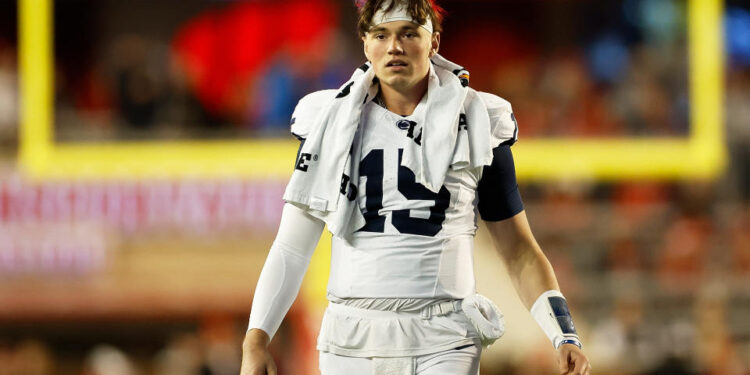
372	167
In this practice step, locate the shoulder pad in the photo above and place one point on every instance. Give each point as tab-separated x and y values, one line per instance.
307	111
504	125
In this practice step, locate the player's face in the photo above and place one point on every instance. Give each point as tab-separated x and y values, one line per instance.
400	53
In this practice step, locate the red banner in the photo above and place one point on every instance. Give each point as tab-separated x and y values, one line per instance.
130	206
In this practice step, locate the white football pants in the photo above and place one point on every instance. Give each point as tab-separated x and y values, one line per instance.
459	361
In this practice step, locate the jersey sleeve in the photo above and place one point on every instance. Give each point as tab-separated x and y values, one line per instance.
307	110
305	114
503	122
499	198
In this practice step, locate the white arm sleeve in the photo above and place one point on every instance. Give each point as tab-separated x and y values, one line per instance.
284	269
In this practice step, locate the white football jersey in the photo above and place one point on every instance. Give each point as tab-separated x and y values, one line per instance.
416	243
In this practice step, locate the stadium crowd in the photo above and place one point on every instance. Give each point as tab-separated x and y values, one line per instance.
658	271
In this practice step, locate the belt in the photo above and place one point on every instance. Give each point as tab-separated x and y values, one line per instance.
435	309
440	308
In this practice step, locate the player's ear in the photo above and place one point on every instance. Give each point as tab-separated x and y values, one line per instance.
364	47
435	44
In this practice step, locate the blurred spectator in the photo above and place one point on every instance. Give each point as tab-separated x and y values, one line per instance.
738	131
638	202
138	81
739	243
717	353
224	51
682	259
108	360
644	100
295	72
564	206
220	65
221	346
8	92
625	341
30	357
672	366
625	257
182	356
620	73
686	254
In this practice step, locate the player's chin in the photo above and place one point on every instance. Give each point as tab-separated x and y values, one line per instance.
398	81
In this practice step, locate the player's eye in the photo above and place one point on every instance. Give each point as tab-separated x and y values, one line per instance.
410	35
380	36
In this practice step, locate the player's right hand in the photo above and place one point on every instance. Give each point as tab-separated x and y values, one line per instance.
256	359
572	361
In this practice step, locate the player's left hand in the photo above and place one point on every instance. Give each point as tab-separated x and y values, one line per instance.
572	361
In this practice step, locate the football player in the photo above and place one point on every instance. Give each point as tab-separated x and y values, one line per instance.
398	163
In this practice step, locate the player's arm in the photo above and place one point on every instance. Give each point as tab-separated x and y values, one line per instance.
529	268
501	208
278	285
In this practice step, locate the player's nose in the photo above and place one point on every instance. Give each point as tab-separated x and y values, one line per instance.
395	47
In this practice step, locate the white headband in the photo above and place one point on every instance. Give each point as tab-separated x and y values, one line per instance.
397	13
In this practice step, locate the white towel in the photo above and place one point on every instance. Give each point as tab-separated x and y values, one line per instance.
325	177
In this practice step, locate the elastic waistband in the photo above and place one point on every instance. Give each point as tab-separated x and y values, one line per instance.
435	309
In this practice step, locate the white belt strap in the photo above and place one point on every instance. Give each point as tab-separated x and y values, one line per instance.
439	309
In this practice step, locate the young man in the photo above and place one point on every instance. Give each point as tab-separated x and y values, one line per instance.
396	163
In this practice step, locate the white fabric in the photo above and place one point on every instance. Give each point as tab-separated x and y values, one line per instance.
447	98
542	312
330	145
464	361
397	13
395	264
356	332
416	267
393	365
390	304
332	142
486	318
284	269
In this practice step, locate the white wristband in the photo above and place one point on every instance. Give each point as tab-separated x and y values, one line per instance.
551	313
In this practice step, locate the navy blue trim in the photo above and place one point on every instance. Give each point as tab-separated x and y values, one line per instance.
559	306
345	91
514	138
299	150
562	314
566	324
571	341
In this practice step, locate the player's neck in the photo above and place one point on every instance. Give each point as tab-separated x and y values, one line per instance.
403	102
